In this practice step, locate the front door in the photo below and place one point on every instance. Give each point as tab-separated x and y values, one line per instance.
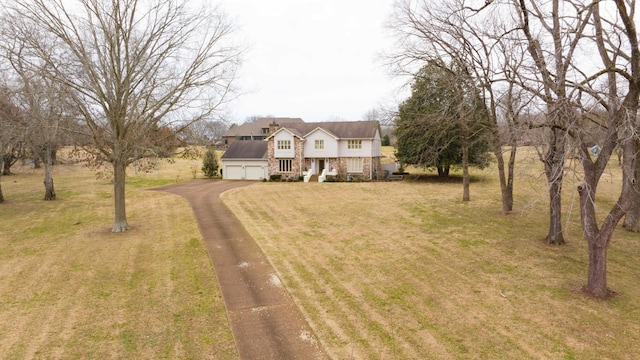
320	165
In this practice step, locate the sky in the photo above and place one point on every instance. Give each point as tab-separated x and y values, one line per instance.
313	59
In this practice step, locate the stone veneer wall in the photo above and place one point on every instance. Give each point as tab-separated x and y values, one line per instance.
297	165
368	165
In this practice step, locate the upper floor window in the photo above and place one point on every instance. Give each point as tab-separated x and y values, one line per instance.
284	144
319	144
354	144
265	130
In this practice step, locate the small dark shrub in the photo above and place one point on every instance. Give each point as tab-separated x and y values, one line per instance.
386	141
275	177
210	163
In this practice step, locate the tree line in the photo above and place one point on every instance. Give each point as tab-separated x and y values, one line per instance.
496	73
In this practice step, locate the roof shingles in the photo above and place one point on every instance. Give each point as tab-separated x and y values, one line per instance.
249	149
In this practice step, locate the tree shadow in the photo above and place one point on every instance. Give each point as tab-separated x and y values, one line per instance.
435	179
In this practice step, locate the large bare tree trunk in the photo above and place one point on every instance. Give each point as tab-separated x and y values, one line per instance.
1	194
507	193
554	236
598	239
554	171
632	217
597	280
6	164
506	175
49	192
466	196
119	177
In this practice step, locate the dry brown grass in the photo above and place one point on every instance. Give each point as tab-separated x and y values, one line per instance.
407	270
400	270
69	289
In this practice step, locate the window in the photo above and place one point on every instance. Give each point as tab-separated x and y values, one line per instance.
354	165
265	130
319	144
286	165
354	144
284	144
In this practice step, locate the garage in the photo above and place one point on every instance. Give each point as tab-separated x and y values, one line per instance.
245	160
254	172
232	172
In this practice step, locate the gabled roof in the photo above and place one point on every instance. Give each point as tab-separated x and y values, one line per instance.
339	129
255	128
291	131
249	149
323	130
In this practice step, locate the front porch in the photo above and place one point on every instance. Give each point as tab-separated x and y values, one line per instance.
317	169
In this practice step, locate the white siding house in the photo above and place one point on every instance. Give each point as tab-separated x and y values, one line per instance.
345	150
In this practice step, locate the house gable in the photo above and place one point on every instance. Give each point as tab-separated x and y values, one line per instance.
320	143
284	141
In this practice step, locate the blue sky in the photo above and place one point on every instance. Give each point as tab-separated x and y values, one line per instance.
314	59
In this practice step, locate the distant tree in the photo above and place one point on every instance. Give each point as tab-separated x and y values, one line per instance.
132	68
254	118
46	110
12	132
386	141
9	117
205	132
210	163
372	115
440	125
15	149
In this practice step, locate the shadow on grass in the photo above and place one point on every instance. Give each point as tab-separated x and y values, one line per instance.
435	179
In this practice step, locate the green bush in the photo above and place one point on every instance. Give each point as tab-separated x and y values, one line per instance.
210	163
386	141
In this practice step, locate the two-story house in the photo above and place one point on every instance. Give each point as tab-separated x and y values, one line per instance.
345	149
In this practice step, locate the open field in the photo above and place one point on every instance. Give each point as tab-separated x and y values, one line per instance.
69	289
400	270
408	271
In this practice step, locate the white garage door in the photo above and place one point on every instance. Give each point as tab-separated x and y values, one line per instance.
254	172
233	172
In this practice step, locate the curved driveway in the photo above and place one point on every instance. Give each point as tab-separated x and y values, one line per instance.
265	322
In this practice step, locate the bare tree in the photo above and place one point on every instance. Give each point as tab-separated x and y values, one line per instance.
459	33
43	104
617	42
552	35
551	47
206	132
372	114
132	68
10	128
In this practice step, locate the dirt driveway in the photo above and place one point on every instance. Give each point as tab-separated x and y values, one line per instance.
265	322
